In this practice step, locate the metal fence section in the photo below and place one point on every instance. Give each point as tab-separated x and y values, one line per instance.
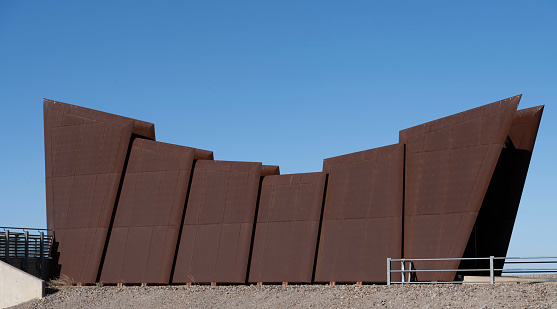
408	271
25	244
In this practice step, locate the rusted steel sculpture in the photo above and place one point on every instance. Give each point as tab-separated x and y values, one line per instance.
127	209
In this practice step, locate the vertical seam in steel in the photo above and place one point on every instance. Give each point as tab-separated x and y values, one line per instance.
253	228
319	229
270	214
116	200
215	268
403	200
180	230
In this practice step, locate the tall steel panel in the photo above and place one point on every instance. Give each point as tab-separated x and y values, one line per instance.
147	222
449	164
85	152
287	228
362	219
216	236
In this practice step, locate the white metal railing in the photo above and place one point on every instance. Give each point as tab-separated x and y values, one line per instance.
408	274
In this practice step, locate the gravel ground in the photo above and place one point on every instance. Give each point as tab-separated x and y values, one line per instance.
532	295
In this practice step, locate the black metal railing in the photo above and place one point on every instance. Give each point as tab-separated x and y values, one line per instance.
25	244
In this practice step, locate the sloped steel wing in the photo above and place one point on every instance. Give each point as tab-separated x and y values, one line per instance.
492	232
449	165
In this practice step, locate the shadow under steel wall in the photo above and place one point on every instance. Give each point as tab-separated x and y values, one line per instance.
492	232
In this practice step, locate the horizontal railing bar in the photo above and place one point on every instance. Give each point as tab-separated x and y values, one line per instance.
526	280
437	259
533	262
479	258
428	282
429	270
23	228
531	271
535	257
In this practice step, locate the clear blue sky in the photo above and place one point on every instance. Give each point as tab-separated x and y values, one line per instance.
282	82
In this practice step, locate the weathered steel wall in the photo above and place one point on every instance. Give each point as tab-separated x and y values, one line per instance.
450	188
216	238
493	228
362	219
449	164
85	151
149	213
287	228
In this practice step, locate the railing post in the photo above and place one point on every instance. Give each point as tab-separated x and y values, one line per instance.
410	273
7	248
402	269
26	251
388	271
491	272
41	248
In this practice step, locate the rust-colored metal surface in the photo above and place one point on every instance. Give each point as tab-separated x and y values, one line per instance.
287	228
449	165
85	151
450	188
201	154
217	232
492	232
267	170
362	219
148	216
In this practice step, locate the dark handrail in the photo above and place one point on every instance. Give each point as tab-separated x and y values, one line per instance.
23	228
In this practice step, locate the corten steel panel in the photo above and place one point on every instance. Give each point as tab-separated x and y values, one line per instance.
201	154
147	222
286	228
217	233
492	232
362	219
267	170
85	151
449	164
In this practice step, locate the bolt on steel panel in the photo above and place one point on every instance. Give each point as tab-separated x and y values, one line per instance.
492	232
287	228
362	219
449	163
149	214
85	151
218	226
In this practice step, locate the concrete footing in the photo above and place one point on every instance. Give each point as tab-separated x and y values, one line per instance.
17	286
504	279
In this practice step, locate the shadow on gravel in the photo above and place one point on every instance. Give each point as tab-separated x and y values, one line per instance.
50	290
56	285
